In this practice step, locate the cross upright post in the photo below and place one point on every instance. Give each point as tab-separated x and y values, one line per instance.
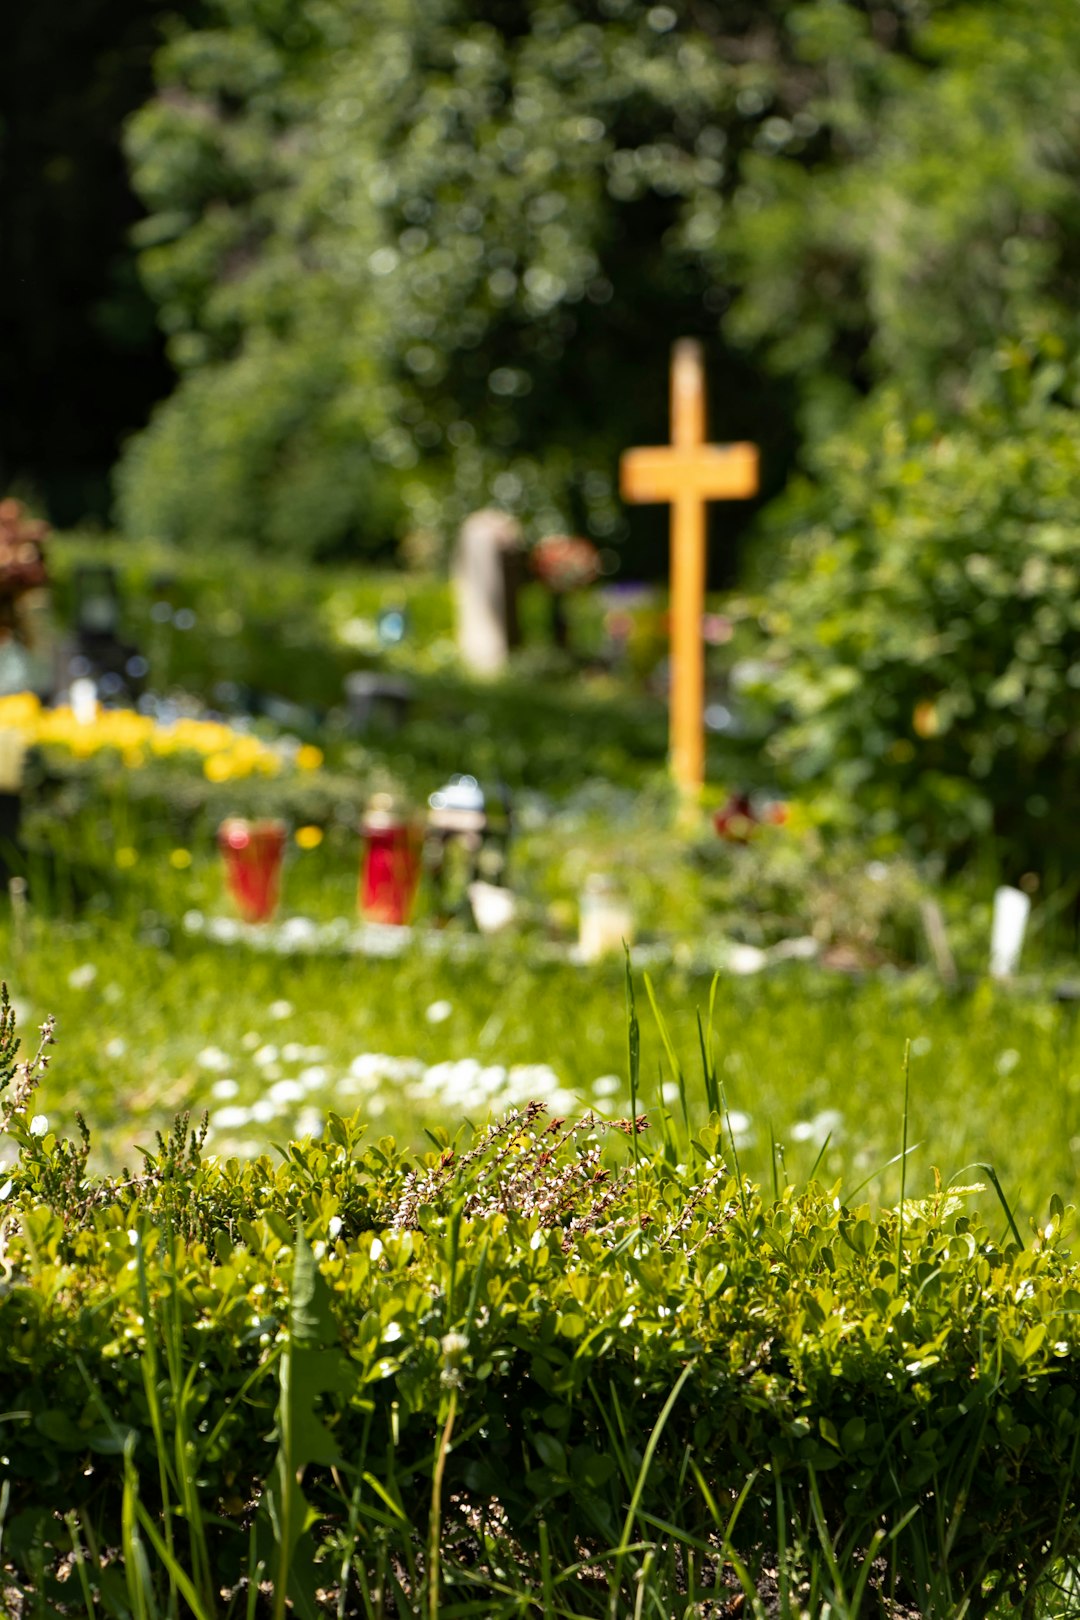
688	473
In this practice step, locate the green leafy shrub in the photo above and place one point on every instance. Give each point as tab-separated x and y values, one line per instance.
527	1372
926	632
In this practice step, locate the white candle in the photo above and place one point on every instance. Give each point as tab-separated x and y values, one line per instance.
1012	908
606	919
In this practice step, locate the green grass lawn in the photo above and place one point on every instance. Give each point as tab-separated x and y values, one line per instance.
456	1028
153	1019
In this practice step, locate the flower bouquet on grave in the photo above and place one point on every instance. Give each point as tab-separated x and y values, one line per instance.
564	563
253	852
23	572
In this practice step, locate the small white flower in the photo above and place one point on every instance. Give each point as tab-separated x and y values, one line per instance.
335	1225
116	1047
313	1077
392	1333
266	1055
280	1009
38	1125
376	1250
213	1058
230	1119
81	978
309	1122
439	1012
286	1091
224	1089
5	1190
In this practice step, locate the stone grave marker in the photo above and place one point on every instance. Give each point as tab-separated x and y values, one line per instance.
488	572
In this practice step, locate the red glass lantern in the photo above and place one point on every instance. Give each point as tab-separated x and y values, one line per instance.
253	852
391	863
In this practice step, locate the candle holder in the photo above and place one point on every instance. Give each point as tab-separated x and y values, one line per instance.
1012	907
253	852
390	867
606	918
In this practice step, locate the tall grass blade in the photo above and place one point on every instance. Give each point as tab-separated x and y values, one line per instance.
903	1168
676	1066
642	1476
712	1100
633	1053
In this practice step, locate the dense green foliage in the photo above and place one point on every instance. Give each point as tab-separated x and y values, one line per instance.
524	1367
926	630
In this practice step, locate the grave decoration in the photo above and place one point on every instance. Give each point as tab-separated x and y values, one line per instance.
24	660
606	918
99	651
488	572
390	864
688	473
467	841
742	814
564	563
1012	907
253	852
392	626
226	753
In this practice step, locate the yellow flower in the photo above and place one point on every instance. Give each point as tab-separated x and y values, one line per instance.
309	758
180	858
126	856
309	837
218	768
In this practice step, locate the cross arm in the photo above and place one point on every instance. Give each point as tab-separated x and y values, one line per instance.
709	471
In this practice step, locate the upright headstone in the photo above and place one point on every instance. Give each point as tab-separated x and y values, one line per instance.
488	571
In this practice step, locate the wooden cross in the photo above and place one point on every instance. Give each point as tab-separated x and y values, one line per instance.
688	473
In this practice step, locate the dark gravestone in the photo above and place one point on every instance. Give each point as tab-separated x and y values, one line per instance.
377	701
99	650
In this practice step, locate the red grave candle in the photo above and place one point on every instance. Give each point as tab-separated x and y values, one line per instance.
391	864
253	852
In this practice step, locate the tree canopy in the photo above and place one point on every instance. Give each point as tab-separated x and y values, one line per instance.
413	257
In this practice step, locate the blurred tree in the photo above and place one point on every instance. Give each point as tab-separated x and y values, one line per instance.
81	359
416	255
923	588
941	222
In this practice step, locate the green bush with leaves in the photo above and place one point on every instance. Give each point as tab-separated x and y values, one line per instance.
528	1373
925	630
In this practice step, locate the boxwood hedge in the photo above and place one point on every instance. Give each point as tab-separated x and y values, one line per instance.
544	1368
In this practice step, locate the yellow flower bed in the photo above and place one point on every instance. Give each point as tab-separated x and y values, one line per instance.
138	738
